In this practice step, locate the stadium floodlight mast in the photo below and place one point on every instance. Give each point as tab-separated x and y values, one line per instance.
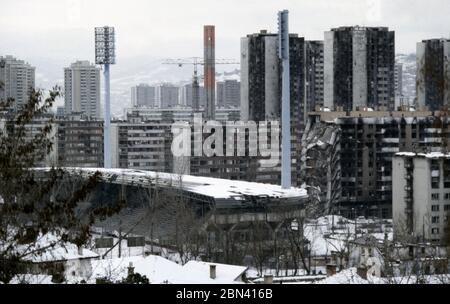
283	55
105	55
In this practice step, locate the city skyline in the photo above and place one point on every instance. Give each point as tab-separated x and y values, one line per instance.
146	39
152	31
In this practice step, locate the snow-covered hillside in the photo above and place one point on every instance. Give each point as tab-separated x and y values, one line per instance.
409	74
126	73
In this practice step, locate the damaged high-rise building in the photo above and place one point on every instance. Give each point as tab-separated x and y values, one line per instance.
433	74
359	68
360	159
320	162
313	75
261	84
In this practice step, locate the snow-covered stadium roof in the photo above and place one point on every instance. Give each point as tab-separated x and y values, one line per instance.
213	187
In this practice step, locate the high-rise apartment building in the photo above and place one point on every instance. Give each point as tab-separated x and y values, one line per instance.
359	68
228	93
186	95
82	89
362	159
261	77
433	74
313	75
421	196
143	95
167	95
17	78
261	84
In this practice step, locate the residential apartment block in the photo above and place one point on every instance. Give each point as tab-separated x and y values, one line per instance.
82	89
433	74
421	196
356	151
17	78
359	68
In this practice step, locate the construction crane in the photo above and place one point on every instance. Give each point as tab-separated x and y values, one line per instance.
196	61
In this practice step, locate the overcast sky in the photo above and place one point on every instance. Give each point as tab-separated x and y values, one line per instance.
63	29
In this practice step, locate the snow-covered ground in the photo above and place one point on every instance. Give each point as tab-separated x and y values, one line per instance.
327	234
350	276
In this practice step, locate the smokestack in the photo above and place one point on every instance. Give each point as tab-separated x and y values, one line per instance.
209	59
212	271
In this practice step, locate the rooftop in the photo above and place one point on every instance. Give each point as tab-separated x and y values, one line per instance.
160	270
213	187
426	155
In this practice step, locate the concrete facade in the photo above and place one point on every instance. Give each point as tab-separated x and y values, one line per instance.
314	76
261	85
367	142
421	196
433	74
228	93
82	89
17	78
79	142
143	95
167	95
359	68
141	145
186	96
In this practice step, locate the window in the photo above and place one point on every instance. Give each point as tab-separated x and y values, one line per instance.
435	182
435	219
447	196
434	196
435	231
434	207
446	207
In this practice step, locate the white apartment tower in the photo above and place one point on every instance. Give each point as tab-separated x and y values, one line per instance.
421	195
17	78
82	89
